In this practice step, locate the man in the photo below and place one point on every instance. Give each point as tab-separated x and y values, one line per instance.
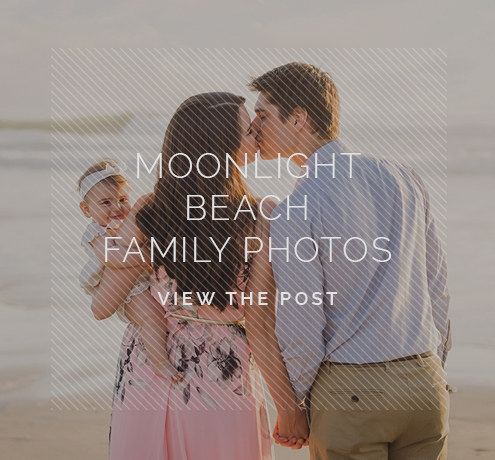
362	317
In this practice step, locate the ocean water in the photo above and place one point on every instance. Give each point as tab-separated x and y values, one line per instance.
462	148
41	226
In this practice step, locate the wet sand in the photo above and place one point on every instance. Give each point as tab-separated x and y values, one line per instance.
37	430
44	348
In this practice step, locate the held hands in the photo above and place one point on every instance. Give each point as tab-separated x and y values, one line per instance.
291	430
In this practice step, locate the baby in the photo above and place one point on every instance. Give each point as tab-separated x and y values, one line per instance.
104	193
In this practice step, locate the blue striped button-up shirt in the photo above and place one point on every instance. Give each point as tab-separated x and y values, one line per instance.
382	310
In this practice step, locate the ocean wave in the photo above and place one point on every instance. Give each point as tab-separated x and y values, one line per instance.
103	124
468	149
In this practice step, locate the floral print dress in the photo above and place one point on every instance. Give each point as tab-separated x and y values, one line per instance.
218	411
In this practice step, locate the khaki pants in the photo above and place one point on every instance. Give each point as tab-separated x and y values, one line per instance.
389	410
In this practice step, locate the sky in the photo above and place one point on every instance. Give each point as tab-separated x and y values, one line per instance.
30	29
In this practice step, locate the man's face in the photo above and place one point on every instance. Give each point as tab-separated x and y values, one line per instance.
275	136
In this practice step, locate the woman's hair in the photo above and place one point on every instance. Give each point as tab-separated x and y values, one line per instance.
116	180
205	123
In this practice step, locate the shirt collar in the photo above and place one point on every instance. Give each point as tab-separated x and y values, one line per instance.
323	152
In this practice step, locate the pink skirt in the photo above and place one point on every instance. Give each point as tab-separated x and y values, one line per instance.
217	412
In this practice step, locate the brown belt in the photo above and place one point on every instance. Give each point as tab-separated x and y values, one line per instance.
424	355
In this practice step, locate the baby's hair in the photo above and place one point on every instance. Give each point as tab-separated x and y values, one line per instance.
116	180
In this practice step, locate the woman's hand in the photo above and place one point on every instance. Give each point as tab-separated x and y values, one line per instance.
291	430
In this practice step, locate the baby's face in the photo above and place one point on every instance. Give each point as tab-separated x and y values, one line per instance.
106	202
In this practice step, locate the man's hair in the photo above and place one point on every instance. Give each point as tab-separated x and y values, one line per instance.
305	86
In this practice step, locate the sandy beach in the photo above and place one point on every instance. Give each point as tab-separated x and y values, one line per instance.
57	363
38	431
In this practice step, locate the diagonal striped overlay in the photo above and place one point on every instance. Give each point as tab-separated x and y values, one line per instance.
116	103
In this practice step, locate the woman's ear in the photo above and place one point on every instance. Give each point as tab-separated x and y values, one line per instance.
299	118
84	209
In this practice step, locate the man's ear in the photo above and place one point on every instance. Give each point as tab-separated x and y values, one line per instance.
299	118
84	209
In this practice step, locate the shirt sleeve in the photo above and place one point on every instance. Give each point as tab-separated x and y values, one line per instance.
436	267
299	325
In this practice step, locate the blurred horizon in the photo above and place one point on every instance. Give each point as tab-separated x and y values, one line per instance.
33	31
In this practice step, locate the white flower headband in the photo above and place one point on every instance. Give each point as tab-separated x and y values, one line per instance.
90	181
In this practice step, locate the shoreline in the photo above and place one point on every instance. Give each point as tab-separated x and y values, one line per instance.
38	430
32	370
38	422
40	419
64	350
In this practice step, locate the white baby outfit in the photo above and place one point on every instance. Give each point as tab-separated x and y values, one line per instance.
91	274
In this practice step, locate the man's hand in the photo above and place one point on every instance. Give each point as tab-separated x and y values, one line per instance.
292	431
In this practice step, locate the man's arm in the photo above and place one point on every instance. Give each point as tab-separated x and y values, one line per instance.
436	268
299	328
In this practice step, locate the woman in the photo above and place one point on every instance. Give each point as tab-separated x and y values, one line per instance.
218	410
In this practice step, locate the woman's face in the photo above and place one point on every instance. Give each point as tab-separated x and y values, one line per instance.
249	145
